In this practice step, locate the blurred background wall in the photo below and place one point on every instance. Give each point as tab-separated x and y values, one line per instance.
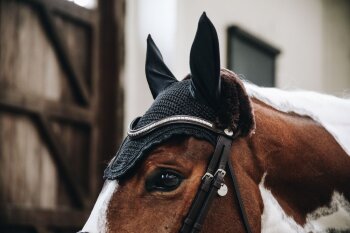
72	78
312	37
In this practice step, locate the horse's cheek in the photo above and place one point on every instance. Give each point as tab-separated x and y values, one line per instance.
128	212
121	213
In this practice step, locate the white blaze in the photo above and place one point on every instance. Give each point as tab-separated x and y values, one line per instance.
97	222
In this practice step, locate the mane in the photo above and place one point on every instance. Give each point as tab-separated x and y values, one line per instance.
331	112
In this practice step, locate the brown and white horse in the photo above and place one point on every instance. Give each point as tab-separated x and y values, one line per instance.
293	176
293	173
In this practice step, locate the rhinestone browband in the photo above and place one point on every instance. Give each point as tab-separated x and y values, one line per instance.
180	119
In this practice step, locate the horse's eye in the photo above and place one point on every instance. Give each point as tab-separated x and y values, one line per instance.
164	180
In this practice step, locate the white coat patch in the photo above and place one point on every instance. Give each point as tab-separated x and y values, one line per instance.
331	112
97	221
335	216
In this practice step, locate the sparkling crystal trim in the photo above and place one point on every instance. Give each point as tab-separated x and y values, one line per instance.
170	120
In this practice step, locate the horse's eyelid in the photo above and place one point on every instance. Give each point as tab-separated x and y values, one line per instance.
150	185
167	169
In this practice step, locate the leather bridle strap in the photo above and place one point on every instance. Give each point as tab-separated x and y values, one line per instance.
239	198
209	186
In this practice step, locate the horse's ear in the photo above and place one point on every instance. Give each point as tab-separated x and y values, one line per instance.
205	64
159	77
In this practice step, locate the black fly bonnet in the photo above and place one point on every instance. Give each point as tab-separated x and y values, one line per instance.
211	104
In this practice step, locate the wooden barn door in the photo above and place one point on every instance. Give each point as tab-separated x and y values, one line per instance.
60	110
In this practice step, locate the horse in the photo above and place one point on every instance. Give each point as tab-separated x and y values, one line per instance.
286	153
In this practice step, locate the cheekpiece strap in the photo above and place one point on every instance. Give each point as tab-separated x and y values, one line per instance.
212	181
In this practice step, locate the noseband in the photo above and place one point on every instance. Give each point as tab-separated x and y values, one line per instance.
213	180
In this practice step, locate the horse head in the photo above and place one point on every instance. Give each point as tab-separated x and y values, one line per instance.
169	173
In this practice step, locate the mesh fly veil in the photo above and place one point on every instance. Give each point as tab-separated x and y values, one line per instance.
218	97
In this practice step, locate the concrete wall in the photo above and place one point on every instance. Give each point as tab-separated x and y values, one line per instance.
313	36
336	47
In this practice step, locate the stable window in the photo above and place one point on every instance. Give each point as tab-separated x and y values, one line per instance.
251	57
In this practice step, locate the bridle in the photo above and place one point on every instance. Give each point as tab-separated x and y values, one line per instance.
213	180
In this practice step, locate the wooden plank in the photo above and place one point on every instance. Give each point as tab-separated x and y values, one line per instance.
77	13
59	156
12	215
26	167
4	174
62	54
35	105
24	184
81	91
6	150
31	156
8	51
48	180
22	156
28	103
110	101
28	60
78	41
35	160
